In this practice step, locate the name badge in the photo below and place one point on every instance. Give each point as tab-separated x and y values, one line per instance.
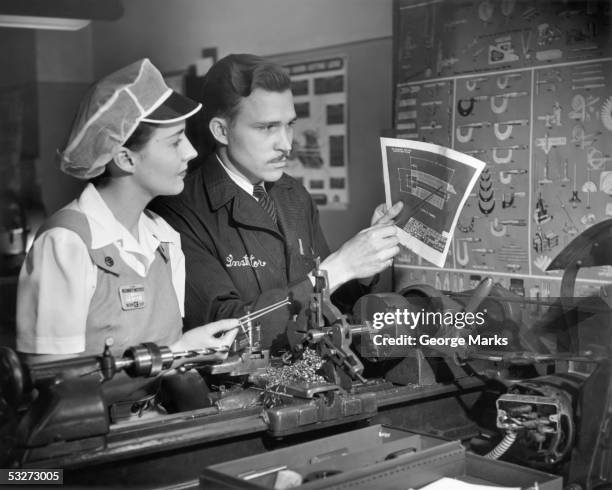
132	297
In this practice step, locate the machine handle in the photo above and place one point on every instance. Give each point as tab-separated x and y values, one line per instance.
479	295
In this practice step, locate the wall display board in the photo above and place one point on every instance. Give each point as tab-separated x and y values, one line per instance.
526	87
319	155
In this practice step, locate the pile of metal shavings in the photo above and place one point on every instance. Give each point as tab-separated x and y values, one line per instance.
303	370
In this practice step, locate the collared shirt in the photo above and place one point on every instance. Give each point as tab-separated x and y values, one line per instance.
58	278
238	179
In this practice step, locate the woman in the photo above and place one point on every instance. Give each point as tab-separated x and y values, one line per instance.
103	266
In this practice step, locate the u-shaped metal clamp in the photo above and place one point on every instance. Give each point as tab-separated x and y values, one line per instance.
462	253
504	80
498	109
471	85
502	135
465	109
508	201
505	178
464	138
497	229
500	159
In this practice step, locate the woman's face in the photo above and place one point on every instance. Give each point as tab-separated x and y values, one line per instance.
162	161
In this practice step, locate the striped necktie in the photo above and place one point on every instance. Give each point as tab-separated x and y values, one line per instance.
265	201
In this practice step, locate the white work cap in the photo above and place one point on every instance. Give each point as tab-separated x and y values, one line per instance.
111	111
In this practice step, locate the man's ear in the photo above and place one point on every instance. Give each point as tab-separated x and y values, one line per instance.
218	128
125	160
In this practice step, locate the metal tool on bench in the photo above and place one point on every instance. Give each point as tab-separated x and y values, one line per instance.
50	401
324	328
246	355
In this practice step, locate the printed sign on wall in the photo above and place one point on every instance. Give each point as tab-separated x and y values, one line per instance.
525	87
319	156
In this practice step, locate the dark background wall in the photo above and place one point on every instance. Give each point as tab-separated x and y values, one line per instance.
56	67
63	64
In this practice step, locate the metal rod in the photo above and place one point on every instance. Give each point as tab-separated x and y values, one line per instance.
263	311
196	352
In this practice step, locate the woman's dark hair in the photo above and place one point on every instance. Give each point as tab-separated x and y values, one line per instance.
136	141
141	136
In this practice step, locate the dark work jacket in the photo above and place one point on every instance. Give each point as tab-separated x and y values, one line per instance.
237	258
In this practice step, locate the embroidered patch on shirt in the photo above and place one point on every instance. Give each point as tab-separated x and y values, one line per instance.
132	296
245	261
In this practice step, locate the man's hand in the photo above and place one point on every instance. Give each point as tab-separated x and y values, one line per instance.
382	215
215	335
367	253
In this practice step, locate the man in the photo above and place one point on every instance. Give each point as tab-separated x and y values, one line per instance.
251	233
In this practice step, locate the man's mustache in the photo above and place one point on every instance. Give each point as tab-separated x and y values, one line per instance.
282	157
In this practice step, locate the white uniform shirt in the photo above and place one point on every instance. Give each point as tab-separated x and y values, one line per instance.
58	279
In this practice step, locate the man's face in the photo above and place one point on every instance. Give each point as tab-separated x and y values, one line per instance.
260	135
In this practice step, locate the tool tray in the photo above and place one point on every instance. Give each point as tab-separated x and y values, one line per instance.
378	457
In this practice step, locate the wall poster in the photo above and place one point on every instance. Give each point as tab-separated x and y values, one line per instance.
319	158
525	87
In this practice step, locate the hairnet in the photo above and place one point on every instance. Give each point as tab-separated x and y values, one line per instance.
111	111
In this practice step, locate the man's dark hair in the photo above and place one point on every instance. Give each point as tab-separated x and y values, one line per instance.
235	77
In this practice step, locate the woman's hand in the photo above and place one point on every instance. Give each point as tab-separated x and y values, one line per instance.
217	335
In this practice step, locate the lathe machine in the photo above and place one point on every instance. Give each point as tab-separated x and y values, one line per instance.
541	399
